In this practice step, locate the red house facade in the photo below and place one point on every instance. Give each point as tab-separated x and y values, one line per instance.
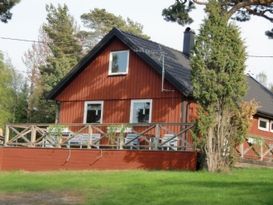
117	95
133	93
127	79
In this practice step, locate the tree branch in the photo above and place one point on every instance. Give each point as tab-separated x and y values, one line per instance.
248	3
237	7
261	14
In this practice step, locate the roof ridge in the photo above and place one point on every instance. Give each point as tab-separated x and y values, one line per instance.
134	35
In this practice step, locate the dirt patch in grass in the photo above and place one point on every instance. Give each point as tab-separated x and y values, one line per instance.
41	198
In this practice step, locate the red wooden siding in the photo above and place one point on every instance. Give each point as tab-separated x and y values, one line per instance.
141	82
1	158
118	111
35	159
71	112
253	130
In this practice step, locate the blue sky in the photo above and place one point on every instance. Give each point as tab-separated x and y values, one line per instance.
29	15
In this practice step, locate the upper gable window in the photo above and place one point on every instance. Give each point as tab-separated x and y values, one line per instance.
119	62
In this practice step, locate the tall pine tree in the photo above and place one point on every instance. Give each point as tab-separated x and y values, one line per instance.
65	52
99	22
64	46
218	64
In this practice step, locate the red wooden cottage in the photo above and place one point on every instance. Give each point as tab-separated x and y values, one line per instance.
128	79
123	75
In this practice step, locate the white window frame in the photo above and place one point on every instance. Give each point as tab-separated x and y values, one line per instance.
267	124
110	62
142	100
86	103
270	126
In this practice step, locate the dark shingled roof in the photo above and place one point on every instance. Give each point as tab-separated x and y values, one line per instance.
262	95
176	64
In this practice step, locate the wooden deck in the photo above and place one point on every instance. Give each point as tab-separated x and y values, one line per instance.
152	136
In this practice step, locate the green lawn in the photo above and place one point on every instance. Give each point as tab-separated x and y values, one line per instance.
241	186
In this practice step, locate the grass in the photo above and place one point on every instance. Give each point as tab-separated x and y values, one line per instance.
241	186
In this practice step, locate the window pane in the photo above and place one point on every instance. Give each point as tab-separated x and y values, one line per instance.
263	123
141	112
119	62
93	113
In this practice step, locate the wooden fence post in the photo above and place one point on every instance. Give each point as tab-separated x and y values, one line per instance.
242	150
90	132
6	136
157	136
33	136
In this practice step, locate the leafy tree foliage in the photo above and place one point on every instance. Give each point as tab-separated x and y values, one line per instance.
21	102
34	58
5	7
239	10
6	92
218	64
100	22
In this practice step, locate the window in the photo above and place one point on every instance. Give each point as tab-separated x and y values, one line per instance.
119	62
263	124
141	111
93	111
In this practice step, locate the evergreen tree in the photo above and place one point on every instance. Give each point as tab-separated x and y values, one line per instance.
100	22
218	64
65	49
5	7
65	52
179	12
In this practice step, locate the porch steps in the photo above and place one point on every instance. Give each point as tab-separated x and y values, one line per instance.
250	163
